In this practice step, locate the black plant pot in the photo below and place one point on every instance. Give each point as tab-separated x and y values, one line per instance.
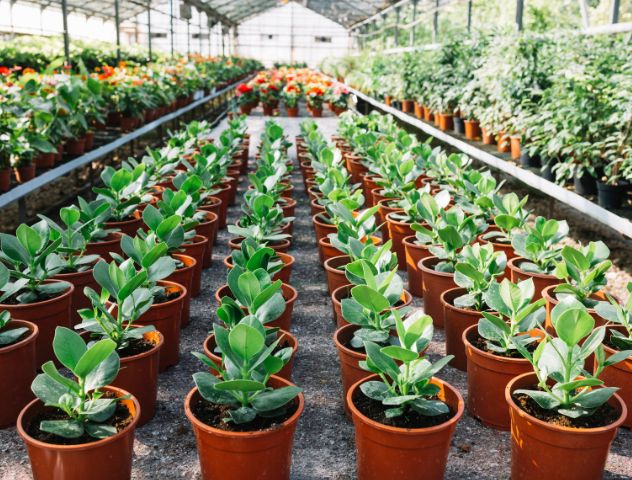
610	197
459	125
585	184
547	172
527	160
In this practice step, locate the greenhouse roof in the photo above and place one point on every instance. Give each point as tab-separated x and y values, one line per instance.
228	12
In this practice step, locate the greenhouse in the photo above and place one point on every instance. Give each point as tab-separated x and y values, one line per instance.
316	239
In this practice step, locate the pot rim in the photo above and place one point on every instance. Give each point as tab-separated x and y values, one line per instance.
503	246
167	283
244	435
347	350
289	202
228	261
329	261
409	242
83	446
24	306
196	241
552	299
213	215
513	265
83	273
407	431
34	332
465	311
487	355
188	258
236	241
389	219
285	288
425	268
214	201
116	239
151	351
557	428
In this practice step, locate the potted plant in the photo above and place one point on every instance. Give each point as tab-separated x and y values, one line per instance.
27	289
244	418
403	409
246	98
251	257
17	365
100	240
315	96
137	347
583	274
477	269
292	94
560	413
618	338
79	414
538	252
492	356
510	217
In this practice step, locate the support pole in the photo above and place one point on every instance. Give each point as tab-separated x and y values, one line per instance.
188	36
200	32
117	25
614	13
396	30
149	30
469	15
519	14
411	39
223	40
583	8
435	23
171	26
64	16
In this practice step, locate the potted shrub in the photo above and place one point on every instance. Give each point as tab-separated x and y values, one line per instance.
455	231
100	240
618	338
251	257
292	94
492	356
560	413
510	217
403	409
79	424
244	418
416	247
17	365
246	98
583	274
27	289
477	269
538	253
315	96
137	347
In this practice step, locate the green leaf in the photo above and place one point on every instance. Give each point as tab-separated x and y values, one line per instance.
239	385
573	325
47	389
69	347
375	390
399	353
245	341
273	399
383	362
369	298
544	399
63	428
96	354
104	374
595	398
98	430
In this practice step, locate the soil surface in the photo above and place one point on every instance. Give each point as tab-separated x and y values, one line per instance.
604	415
324	446
136	346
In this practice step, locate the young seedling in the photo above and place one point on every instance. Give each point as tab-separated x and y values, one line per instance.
538	244
477	268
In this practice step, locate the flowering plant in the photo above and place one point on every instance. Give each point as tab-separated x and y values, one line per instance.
315	96
292	94
246	94
338	95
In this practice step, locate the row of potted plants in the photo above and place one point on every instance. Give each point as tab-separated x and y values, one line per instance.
537	365
46	115
558	103
120	270
291	86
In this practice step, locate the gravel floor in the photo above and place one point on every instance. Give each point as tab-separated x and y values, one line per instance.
324	444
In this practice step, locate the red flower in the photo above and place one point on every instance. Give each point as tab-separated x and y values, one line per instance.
243	89
5	71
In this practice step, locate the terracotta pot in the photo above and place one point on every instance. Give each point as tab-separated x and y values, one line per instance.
618	375
114	119
17	371
112	244
244	455
25	173
196	248
128	227
350	370
502	143
223	193
321	228
500	247
47	315
418	110
381	447
551	300
281	246
288	207
79	280
472	130
414	254
435	117
456	320
540	449
340	293
268	110
285	319
514	146
127	124
245	109
208	229
357	169
5	179
283	274
336	276
44	160
433	285
407	106
446	122
399	230
384	209
487	378
487	136
75	146
427	113
387	100
139	376
369	183
214	204
316	208
540	281
286	372
107	459
166	318
291	111
184	276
